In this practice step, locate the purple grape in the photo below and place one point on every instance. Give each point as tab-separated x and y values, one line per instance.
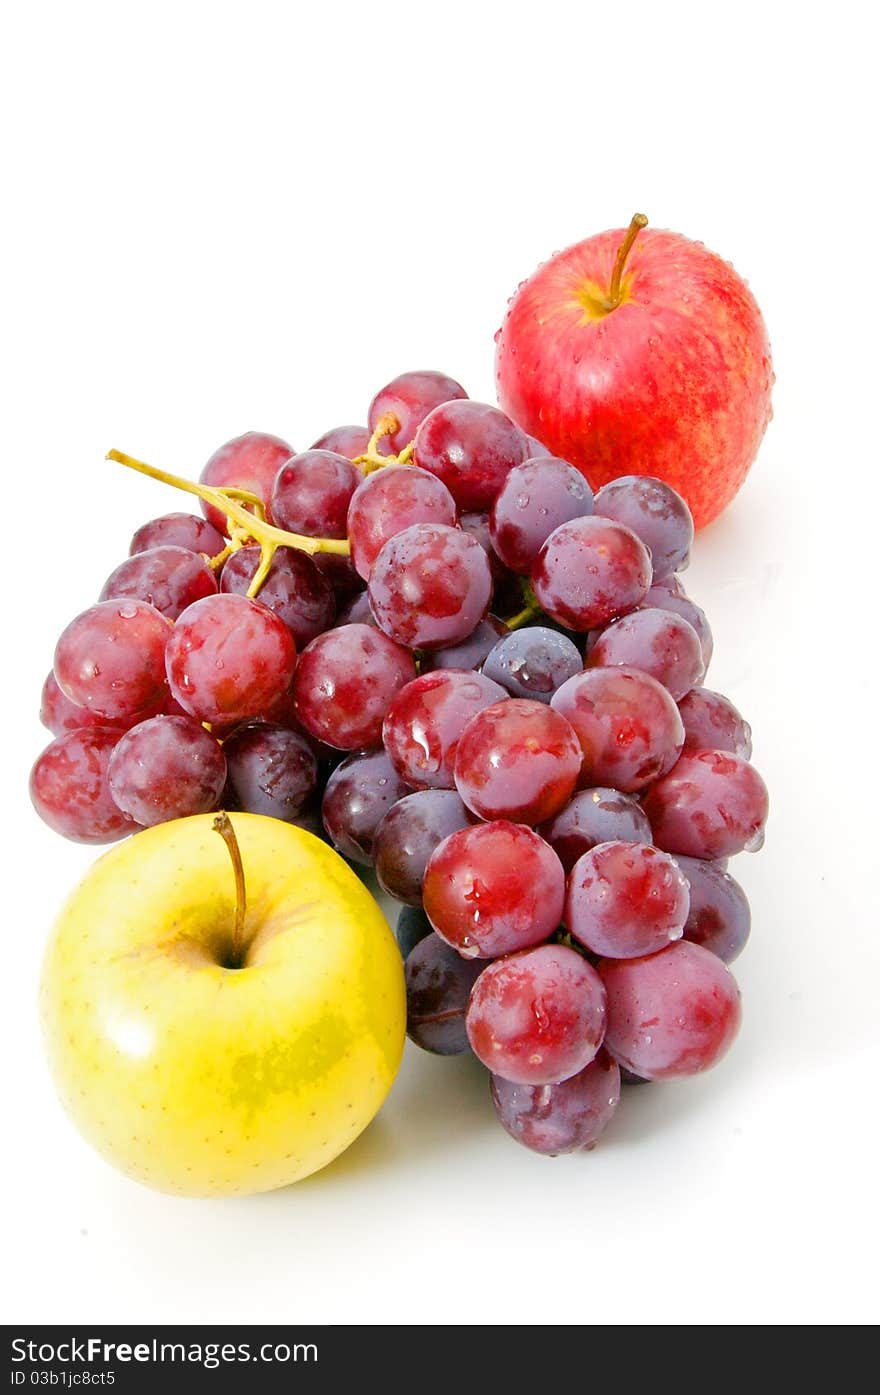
178	530
595	816
272	770
662	597
658	642
294	589
410	397
407	836
712	723
469	653
535	498
533	662
358	795
589	571
438	986
656	514
719	918
471	447
412	927
563	1118
312	492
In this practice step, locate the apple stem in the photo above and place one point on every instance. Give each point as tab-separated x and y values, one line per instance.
371	459
223	825
637	222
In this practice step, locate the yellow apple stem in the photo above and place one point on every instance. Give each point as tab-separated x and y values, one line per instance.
223	826
637	222
371	459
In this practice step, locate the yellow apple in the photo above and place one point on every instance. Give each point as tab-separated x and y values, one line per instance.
209	1066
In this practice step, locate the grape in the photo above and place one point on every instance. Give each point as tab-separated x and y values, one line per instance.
426	719
357	612
411	396
272	770
61	715
294	589
111	658
589	571
626	899
388	501
657	642
670	1014
712	723
719	918
178	530
344	684
359	794
311	493
493	888
350	441
471	447
469	653
168	578
533	663
517	760
662	598
535	498
407	836
438	985
537	1017
628	726
340	573
412	927
70	791
229	658
711	804
166	768
430	586
656	514
506	585
595	816
562	1118
248	462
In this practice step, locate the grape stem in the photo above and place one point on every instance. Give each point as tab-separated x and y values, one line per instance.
371	459
223	825
637	222
530	611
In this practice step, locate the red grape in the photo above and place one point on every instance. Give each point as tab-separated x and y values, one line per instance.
111	658
340	573
535	498
719	918
178	530
469	653
711	804
537	1017
388	501
272	770
166	768
350	441
663	598
670	1014
561	1118
345	682
657	642
248	462
311	493
359	794
506	585
712	723
655	513
471	447
294	589
70	791
493	888
229	658
407	836
589	571
628	726
533	663
425	721
626	899
438	986
411	396
61	715
168	578
430	586
517	760
595	816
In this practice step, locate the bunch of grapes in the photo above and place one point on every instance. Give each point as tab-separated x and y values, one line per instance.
429	642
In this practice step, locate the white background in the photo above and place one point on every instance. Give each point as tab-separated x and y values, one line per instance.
222	217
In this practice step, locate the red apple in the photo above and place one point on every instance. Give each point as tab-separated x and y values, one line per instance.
640	352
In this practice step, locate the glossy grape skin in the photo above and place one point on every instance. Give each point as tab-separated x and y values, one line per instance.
272	770
492	889
357	797
662	597
111	658
412	927
471	447
564	1118
626	899
340	573
719	918
411	396
656	513
658	642
533	662
426	719
229	658
390	500
407	836
628	726
178	530
469	653
168	578
535	498
671	1014
589	571
430	586
166	768
70	791
712	723
60	715
357	612
248	462
350	441
438	986
294	589
345	682
711	804
595	816
517	760
537	1017
312	492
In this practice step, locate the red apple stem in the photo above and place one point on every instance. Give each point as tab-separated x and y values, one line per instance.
223	826
637	222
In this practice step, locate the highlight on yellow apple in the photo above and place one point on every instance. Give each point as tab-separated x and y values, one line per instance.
223	1005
